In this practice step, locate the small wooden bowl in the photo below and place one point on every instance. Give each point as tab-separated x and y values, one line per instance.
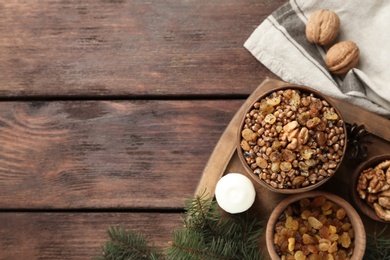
255	177
361	204
357	224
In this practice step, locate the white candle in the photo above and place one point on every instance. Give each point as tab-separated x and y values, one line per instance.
235	193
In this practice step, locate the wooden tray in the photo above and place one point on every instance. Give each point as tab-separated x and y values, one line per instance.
224	159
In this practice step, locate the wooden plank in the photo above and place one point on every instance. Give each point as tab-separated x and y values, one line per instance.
94	48
106	154
76	235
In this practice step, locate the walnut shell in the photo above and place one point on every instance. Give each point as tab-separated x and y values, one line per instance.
323	27
342	57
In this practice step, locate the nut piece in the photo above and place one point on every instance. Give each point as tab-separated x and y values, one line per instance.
323	27
381	212
342	57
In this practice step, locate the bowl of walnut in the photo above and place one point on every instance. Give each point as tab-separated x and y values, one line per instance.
292	139
315	225
371	188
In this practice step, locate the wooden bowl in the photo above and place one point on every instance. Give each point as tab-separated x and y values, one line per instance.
285	189
356	222
361	204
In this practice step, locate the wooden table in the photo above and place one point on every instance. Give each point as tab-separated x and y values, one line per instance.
109	111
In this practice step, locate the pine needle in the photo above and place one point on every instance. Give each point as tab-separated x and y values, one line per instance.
127	245
378	246
205	235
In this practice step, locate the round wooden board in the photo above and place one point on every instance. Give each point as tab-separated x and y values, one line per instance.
224	158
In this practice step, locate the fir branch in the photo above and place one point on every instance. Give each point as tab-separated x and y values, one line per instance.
127	246
200	211
205	235
378	246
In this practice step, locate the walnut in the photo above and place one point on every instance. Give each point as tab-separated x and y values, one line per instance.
323	27
303	136
342	57
371	181
383	166
384	199
381	212
377	182
384	202
372	198
373	186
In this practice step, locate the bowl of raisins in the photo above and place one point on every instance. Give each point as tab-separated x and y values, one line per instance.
315	225
292	139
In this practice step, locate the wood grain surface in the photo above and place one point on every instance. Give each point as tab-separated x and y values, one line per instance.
109	111
106	154
76	235
133	47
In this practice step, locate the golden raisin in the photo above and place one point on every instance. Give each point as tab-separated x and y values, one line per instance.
288	155
299	255
266	109
261	162
303	118
330	115
275	156
274	101
341	213
311	123
344	240
285	166
315	223
270	119
247	134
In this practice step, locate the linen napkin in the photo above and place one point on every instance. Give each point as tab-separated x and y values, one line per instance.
280	43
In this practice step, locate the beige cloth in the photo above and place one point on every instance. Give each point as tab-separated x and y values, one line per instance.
280	44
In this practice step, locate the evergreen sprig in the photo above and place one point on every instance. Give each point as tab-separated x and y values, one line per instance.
207	234
378	246
127	245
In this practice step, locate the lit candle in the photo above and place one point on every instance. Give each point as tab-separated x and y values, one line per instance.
235	193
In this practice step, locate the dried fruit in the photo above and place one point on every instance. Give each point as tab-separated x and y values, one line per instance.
303	118
274	101
275	156
266	108
248	134
342	57
285	166
315	223
298	180
245	146
261	162
306	231
323	27
270	119
345	240
279	141
331	115
321	138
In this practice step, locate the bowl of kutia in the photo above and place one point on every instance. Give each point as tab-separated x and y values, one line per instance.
292	139
315	225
